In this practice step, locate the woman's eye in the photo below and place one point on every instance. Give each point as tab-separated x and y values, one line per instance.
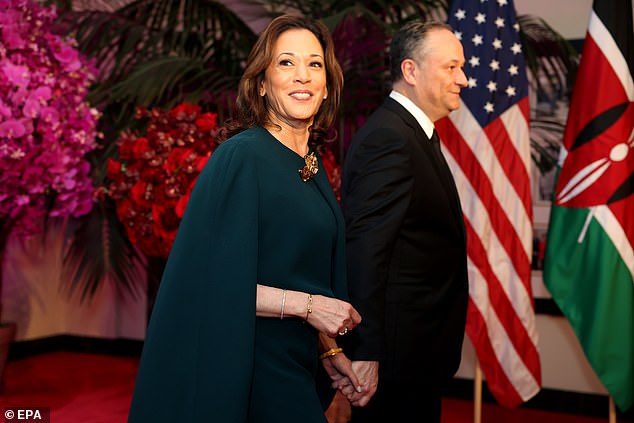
285	62
316	65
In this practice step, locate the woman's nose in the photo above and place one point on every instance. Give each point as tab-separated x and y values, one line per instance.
301	73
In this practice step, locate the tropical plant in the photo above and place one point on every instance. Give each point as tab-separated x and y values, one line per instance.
553	62
160	53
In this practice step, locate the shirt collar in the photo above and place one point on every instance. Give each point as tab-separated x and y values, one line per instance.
419	115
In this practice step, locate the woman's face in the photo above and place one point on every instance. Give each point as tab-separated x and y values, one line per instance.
295	80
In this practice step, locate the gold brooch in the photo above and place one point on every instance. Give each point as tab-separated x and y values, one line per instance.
311	168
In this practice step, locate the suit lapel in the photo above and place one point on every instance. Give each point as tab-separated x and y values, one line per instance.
441	169
451	185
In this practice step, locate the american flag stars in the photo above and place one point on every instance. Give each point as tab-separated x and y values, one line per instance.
490	37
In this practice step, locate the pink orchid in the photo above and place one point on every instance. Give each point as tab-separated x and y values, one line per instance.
41	94
12	36
4	109
12	129
68	57
16	74
31	109
50	115
46	126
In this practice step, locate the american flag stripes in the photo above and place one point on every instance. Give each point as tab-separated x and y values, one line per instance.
486	143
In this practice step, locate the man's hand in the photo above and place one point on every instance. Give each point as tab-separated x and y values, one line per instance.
339	368
368	374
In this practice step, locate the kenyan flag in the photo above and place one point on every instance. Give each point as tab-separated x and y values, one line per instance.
589	266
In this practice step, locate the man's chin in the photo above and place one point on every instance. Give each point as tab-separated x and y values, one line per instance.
453	107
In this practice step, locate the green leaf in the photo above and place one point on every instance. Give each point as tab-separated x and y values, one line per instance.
99	252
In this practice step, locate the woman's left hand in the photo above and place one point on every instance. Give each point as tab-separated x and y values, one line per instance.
339	368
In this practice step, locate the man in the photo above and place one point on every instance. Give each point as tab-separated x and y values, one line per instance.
406	242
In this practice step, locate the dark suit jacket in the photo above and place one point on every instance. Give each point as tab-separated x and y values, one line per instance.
406	251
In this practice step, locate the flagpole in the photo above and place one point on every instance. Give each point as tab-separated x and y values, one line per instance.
477	394
612	418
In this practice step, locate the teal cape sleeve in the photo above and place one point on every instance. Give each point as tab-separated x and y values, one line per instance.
197	359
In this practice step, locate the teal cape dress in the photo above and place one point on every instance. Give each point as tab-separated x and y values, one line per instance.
250	219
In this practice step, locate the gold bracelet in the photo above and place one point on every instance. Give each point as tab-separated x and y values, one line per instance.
330	353
309	306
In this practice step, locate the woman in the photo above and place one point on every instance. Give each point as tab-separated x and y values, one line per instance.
262	236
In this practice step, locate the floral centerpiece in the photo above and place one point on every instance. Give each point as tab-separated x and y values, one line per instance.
46	126
153	177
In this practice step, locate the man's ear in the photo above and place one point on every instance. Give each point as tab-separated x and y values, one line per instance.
409	68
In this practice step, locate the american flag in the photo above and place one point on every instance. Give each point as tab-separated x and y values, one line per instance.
486	143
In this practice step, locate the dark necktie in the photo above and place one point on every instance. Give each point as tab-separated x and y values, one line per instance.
447	176
435	142
444	167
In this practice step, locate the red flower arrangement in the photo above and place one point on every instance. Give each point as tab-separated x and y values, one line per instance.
153	178
333	170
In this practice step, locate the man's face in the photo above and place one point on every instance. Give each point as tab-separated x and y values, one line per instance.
440	76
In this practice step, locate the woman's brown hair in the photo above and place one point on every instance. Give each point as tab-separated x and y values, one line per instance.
252	108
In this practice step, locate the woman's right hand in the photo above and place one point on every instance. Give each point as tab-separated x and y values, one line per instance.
328	315
332	316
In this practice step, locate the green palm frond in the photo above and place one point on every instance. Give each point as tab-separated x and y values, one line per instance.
551	58
108	256
546	135
156	53
552	62
146	29
164	81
